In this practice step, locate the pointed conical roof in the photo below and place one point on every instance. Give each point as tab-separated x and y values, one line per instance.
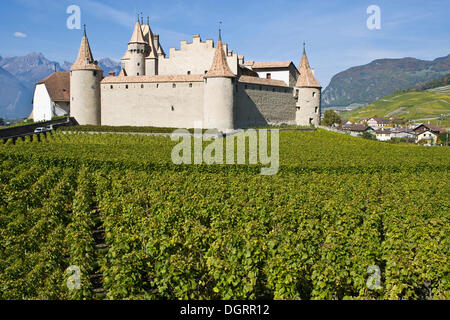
137	36
306	78
85	59
220	66
150	40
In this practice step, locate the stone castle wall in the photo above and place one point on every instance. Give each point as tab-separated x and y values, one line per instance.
259	105
181	104
169	104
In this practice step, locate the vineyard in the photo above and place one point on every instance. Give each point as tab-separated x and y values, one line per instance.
137	226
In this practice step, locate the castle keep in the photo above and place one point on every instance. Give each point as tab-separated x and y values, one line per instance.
199	85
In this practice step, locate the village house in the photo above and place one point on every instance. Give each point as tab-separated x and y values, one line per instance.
356	130
427	132
378	123
52	97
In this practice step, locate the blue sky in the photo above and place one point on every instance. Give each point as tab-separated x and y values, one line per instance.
335	31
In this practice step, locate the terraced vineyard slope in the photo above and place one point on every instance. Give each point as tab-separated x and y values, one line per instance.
410	105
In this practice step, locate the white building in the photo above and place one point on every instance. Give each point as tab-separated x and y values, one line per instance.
52	97
378	123
427	135
283	71
383	135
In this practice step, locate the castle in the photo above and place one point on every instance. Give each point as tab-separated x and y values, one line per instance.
198	85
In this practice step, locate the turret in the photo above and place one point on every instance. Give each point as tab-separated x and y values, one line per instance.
85	77
137	49
308	94
151	55
218	93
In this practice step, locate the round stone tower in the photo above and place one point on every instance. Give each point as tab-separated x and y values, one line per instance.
137	49
218	100
85	77
308	94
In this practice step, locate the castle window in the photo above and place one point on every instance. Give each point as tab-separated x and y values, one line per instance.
138	73
190	85
269	76
206	71
95	73
188	72
126	86
138	64
317	109
174	85
142	86
172	108
260	88
298	108
112	86
157	85
314	94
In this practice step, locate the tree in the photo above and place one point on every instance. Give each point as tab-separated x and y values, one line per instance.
2	121
368	135
330	117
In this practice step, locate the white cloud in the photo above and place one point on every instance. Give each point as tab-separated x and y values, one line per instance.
20	35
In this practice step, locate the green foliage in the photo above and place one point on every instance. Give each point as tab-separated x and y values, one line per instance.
338	205
330	117
444	81
368	136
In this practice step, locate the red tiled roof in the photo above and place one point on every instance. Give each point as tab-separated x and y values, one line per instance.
306	78
85	60
270	65
262	81
219	66
138	36
58	86
355	127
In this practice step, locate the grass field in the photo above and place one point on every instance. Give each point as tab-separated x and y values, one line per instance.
410	105
138	226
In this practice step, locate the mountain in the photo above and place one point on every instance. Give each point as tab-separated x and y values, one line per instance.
18	76
106	64
368	83
109	65
15	98
31	68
